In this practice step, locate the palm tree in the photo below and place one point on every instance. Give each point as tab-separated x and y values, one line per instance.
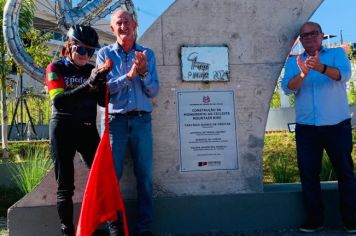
25	23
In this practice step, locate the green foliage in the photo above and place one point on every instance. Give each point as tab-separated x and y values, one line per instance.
280	162
352	53
37	47
34	167
282	170
25	23
327	171
27	14
4	232
18	150
5	63
38	105
352	93
276	99
292	100
279	158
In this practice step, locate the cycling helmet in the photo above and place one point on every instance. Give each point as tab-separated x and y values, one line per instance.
84	34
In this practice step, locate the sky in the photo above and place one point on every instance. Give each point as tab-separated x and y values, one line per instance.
149	10
335	16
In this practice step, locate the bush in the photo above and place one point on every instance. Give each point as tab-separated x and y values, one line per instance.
280	161
327	171
282	171
279	149
18	149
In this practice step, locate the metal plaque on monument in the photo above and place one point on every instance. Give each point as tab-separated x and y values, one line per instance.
207	132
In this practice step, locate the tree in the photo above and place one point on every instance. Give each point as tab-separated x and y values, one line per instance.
351	53
37	48
276	98
352	93
25	23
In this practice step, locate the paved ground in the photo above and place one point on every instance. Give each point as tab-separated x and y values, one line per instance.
284	232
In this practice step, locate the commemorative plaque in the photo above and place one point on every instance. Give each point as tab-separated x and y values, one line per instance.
207	130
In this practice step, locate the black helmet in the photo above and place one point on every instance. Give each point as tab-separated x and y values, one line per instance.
84	34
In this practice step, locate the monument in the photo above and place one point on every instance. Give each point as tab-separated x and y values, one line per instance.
218	64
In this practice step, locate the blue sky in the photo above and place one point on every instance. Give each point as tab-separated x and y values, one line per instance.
332	15
336	15
148	11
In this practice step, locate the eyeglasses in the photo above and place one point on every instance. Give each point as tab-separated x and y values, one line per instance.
83	50
312	34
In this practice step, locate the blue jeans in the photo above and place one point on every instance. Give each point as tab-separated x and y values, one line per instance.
337	142
135	132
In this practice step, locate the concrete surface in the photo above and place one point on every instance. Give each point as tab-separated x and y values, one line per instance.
259	35
278	209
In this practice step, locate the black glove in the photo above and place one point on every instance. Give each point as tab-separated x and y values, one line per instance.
100	72
95	77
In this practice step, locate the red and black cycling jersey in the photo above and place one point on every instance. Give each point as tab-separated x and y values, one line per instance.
70	93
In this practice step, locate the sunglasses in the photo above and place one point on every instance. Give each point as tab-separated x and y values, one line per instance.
83	50
312	34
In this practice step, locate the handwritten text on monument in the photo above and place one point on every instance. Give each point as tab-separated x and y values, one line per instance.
205	63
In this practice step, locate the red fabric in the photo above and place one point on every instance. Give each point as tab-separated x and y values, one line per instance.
102	199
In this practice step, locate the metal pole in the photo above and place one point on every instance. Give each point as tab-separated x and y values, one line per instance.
21	107
341	38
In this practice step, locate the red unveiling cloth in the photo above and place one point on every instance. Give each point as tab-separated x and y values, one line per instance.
102	198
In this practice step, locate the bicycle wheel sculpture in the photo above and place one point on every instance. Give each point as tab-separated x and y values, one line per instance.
86	12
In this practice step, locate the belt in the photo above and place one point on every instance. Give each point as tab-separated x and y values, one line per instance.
130	113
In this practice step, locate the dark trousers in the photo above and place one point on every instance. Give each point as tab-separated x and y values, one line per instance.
67	137
336	140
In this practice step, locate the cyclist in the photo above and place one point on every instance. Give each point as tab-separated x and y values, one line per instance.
75	88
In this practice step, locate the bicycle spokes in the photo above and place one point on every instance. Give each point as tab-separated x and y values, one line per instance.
86	12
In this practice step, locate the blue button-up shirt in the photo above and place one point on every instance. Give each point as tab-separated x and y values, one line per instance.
320	100
129	95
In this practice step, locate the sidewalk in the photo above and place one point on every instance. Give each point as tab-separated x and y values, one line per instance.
284	232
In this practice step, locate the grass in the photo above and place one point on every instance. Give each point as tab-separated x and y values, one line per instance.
281	169
327	171
280	162
33	164
31	169
28	172
4	232
279	158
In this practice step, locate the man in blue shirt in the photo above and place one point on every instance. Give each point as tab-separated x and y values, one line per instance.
132	82
318	79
